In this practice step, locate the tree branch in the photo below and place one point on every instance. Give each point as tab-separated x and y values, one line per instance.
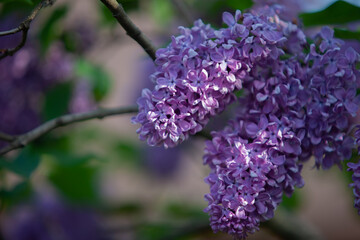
24	28
24	139
6	137
131	29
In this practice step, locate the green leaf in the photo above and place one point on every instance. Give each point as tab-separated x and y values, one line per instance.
291	203
129	208
51	144
99	79
75	182
346	34
30	2
154	231
176	231
24	164
51	29
162	11
339	12
129	5
57	100
181	210
239	93
106	17
17	6
21	192
68	160
218	6
241	5
128	152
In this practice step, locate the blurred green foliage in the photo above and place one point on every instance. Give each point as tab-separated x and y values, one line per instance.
346	34
100	80
57	100
21	7
23	164
185	211
162	11
18	194
292	203
77	181
50	31
339	12
107	19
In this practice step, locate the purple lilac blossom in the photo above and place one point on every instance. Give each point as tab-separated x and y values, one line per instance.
82	99
298	100
156	159
259	153
247	180
331	81
197	74
289	113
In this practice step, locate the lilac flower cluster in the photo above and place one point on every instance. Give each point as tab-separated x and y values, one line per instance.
192	84
248	179
197	74
256	160
331	81
297	103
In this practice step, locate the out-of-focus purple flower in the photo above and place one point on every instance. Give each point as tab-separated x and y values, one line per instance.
25	79
49	219
82	99
286	9
161	162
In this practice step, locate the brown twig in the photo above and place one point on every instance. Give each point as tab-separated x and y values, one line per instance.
131	29
24	28
24	139
6	137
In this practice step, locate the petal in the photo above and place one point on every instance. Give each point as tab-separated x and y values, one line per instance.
228	19
327	33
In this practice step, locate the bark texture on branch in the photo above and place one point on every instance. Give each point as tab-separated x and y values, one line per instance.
131	29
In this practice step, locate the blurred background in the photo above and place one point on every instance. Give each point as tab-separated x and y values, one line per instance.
96	180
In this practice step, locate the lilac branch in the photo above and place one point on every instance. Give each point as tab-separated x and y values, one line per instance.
6	137
131	29
24	28
24	139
